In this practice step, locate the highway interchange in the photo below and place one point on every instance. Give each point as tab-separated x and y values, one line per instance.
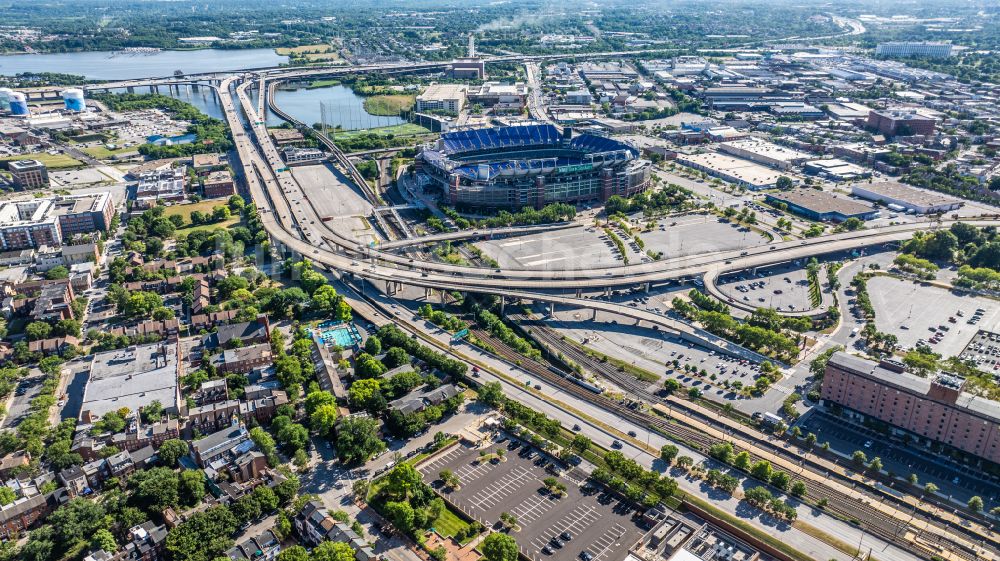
297	230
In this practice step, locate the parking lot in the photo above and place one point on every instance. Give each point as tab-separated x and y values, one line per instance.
984	350
585	525
697	235
916	312
785	287
571	249
953	480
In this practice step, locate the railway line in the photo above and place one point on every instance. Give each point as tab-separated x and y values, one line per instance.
859	510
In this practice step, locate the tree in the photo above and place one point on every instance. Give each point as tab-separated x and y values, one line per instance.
401	515
7	495
204	536
401	480
264	442
373	346
366	394
859	458
57	273
332	551
191	486
762	470
317	399
976	504
449	479
780	480
931	488
293	553
671	385
37	330
172	450
875	464
104	539
491	394
326	299
783	183
580	444
798	489
742	460
499	547
324	419
76	521
358	440
155	489
395	357
153	412
668	452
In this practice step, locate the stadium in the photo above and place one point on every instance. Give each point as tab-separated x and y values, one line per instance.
531	165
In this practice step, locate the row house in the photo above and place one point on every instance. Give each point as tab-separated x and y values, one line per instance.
168	329
315	525
244	359
22	514
210	320
146	542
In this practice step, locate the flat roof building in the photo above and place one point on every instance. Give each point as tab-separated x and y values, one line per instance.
836	169
133	377
442	97
499	96
914	48
38	222
900	122
161	185
764	152
910	198
820	205
933	409
751	175
219	184
28	174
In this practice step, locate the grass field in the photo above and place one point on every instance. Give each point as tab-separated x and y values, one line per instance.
57	161
322	84
303	49
405	129
449	524
205	207
325	57
388	105
102	153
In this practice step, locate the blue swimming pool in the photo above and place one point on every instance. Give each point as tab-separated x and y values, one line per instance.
338	333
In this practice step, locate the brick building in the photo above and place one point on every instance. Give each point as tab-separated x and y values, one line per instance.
28	174
900	123
931	410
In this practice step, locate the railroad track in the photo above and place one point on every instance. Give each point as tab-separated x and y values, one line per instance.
859	512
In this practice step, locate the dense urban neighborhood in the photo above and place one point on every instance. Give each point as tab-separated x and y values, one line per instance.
499	281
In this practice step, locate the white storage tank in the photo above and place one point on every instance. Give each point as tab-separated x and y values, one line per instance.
73	99
19	104
5	98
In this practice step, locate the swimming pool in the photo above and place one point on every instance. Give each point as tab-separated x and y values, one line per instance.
337	333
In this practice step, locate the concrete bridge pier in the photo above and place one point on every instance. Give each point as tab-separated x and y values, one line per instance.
427	293
579	293
552	309
130	89
645	287
503	302
390	288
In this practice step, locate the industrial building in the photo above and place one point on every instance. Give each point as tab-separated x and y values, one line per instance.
218	184
532	165
836	169
900	122
742	172
160	185
295	155
914	48
39	222
501	98
924	411
820	205
28	174
442	97
132	378
19	105
764	152
905	198
471	67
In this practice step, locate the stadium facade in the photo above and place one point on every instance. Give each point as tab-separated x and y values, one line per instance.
532	165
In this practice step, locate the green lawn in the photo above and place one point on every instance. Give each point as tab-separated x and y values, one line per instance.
449	524
205	207
57	161
404	129
103	153
388	105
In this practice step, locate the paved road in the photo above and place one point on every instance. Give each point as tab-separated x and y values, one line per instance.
20	405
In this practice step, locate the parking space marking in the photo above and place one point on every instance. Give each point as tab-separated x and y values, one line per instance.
575	522
472	471
608	540
533	508
441	461
491	495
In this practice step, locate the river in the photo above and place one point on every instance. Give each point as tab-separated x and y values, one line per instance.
105	65
344	108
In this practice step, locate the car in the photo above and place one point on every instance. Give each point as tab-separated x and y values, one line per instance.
616	444
586	556
566	536
576	427
631	433
868	444
546	550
